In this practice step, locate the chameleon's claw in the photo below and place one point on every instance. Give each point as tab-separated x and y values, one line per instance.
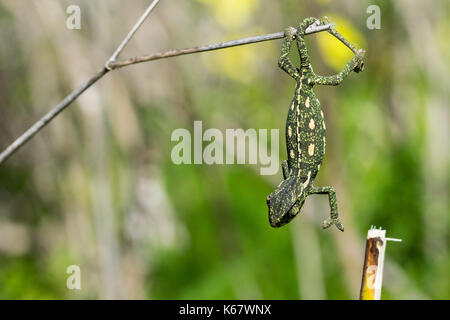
329	222
290	32
360	63
325	20
359	67
318	22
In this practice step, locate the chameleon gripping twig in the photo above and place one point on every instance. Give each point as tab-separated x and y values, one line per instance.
113	64
305	132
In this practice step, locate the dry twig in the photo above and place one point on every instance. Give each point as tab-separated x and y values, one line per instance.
112	64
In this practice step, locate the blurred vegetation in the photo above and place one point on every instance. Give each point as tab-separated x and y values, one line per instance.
97	187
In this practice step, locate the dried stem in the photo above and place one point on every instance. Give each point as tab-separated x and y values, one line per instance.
27	135
339	36
210	47
111	64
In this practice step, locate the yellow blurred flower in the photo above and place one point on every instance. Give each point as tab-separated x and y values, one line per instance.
323	2
335	53
232	13
240	63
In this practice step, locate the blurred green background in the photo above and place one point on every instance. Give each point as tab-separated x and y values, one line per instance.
97	187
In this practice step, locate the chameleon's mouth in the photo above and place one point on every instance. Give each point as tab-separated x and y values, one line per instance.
276	221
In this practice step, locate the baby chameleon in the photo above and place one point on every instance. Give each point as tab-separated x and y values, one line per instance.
305	134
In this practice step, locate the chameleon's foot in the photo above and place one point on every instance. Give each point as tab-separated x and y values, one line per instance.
359	67
336	221
325	20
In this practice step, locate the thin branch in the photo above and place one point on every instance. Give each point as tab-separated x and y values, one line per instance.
339	36
133	31
27	135
112	65
215	46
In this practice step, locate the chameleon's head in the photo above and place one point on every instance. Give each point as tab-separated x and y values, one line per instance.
284	203
277	218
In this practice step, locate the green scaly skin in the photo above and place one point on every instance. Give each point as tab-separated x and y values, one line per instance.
305	133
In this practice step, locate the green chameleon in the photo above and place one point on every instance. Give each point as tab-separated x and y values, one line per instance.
305	133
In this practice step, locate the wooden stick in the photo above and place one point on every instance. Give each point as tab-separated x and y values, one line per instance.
372	277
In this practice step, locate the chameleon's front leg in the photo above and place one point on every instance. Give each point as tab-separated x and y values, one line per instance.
284	62
355	64
334	216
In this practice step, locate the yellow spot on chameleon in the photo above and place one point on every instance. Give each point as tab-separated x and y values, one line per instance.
291	154
307	180
289	131
324	126
307	102
300	86
311	149
321	113
292	106
311	124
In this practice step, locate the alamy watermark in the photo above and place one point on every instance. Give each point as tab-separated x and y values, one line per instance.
74	280
374	20
74	20
249	146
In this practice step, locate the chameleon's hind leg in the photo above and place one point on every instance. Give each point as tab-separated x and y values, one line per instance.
285	168
334	216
